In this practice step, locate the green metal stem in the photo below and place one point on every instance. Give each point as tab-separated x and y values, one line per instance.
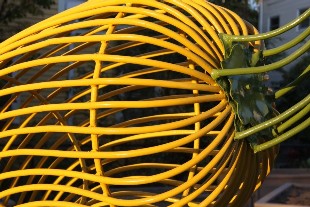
293	120
216	73
282	137
273	33
288	45
285	115
293	84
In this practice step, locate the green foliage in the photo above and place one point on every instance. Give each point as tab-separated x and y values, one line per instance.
288	76
11	10
301	91
295	151
19	9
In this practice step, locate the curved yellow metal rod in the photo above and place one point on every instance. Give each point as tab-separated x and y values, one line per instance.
116	93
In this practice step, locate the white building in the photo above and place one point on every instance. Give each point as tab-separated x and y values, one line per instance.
276	13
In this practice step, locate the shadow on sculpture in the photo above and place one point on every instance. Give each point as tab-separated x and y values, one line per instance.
141	103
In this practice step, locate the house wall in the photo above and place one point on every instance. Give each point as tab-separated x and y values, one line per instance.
287	10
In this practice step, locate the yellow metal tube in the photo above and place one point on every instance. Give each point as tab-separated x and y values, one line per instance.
116	94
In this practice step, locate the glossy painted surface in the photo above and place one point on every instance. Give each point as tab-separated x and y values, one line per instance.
140	123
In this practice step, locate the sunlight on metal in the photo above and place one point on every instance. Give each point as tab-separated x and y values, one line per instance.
141	122
296	115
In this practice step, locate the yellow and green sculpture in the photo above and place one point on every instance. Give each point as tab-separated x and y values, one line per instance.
142	103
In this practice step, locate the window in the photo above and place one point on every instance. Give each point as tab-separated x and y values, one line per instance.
306	23
274	23
67	4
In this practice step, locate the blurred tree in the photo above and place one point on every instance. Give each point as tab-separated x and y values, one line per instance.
302	90
18	9
295	152
242	7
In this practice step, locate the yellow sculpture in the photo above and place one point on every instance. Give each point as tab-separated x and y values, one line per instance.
117	107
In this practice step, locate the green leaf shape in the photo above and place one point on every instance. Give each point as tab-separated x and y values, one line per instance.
251	100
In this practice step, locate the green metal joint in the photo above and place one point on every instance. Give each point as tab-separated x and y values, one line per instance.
250	99
303	76
276	120
242	78
282	137
273	33
215	74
